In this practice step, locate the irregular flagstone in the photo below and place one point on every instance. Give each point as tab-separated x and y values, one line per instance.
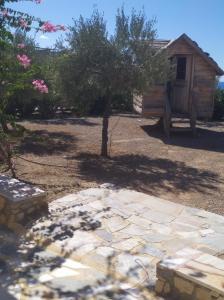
161	228
188	234
153	251
134	229
214	241
105	235
133	265
102	230
158	217
155	237
116	223
105	251
138	220
126	245
183	227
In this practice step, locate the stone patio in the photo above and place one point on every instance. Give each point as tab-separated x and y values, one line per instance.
104	243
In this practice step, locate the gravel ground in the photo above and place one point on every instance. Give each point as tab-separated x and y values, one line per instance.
183	169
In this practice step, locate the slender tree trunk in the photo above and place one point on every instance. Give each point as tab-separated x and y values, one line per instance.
4	126
106	116
7	156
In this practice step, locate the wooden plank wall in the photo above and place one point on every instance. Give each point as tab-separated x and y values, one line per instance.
204	85
203	80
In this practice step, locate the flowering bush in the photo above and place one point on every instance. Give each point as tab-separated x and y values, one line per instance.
40	86
24	60
12	80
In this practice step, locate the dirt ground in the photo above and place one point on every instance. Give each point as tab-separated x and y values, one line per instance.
182	169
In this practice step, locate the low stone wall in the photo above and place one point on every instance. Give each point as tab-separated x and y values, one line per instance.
197	277
19	201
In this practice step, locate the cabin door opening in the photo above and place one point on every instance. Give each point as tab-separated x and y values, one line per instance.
181	83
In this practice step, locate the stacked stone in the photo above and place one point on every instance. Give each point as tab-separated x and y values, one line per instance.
19	201
19	212
186	283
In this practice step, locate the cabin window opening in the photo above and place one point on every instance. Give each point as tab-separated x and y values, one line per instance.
181	68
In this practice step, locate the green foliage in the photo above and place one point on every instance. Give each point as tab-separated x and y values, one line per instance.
97	66
219	105
14	80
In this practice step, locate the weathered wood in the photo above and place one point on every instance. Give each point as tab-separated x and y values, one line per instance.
167	117
201	74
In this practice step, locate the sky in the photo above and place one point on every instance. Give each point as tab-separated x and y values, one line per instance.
202	20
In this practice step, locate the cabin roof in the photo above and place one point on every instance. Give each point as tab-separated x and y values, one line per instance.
158	44
163	44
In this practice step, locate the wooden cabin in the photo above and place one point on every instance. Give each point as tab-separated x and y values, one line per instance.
189	94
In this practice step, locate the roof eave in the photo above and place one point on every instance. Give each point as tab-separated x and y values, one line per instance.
212	63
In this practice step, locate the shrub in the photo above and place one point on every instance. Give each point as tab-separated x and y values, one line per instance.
219	105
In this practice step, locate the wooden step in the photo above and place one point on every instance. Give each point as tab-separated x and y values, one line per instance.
180	129
180	121
180	115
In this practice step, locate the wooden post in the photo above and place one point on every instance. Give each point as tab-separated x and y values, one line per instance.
193	112
167	117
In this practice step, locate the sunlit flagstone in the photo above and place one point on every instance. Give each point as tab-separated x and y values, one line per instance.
115	237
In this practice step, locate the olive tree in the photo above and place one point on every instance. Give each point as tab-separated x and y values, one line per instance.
97	64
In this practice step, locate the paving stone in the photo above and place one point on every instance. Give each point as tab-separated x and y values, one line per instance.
161	228
155	252
138	220
183	227
72	264
116	223
45	278
105	251
104	234
188	234
133	229
158	217
210	260
97	205
155	237
133	265
137	230
175	244
63	272
215	241
126	245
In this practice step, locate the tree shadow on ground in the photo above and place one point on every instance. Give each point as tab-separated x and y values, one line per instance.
146	174
43	142
66	121
205	139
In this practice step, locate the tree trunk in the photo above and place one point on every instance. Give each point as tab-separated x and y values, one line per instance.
4	126
106	116
7	156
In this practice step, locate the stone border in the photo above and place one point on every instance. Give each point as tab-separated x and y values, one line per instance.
196	276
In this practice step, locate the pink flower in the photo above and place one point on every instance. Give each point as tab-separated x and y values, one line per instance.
40	86
48	27
23	23
24	60
21	46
